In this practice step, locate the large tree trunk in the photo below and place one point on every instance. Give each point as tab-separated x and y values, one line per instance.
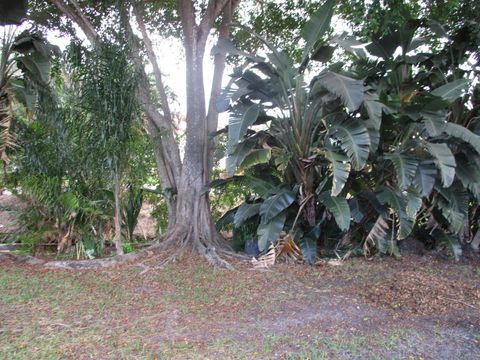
194	227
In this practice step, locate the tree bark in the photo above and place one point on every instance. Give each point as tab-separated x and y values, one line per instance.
117	220
194	226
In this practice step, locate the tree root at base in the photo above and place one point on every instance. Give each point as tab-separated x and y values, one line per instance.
174	245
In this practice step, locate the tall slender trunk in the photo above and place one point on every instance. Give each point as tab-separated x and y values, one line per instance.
118	214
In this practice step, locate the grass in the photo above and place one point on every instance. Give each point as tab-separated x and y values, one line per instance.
191	311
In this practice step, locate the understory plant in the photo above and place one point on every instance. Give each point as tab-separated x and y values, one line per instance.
80	136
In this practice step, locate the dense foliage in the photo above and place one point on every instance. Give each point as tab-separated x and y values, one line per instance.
370	150
77	144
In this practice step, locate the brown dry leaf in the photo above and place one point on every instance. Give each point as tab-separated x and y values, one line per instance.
265	261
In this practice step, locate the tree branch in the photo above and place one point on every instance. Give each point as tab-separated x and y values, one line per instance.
77	16
219	68
214	10
187	17
153	60
168	146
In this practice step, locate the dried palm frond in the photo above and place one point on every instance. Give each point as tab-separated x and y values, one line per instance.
266	260
285	250
8	139
377	235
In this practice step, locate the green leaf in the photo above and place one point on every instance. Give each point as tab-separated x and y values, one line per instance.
462	133
434	122
240	120
373	134
275	204
338	206
381	209
341	170
350	90
444	160
25	95
450	241
226	219
323	53
385	46
374	108
239	154
226	46
414	203
350	44
38	65
469	175
268	233
425	177
405	167
454	206
255	157
378	235
259	186
355	211
452	90
437	29
318	24
308	246
354	140
70	202
245	212
399	205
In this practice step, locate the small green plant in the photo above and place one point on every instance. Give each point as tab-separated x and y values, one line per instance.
128	248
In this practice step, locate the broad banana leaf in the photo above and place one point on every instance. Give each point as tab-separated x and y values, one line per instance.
268	233
275	204
454	206
245	212
405	168
399	205
317	26
240	120
444	160
425	177
350	90
338	206
452	90
354	140
341	170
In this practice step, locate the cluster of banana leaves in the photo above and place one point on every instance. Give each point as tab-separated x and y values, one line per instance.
369	150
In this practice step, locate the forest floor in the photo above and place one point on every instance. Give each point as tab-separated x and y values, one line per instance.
413	308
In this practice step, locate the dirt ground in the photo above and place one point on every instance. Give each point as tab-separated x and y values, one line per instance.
415	308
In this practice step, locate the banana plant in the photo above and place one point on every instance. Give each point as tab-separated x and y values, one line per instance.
308	130
24	66
386	146
428	140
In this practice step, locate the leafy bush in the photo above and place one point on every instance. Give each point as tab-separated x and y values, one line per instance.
368	151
